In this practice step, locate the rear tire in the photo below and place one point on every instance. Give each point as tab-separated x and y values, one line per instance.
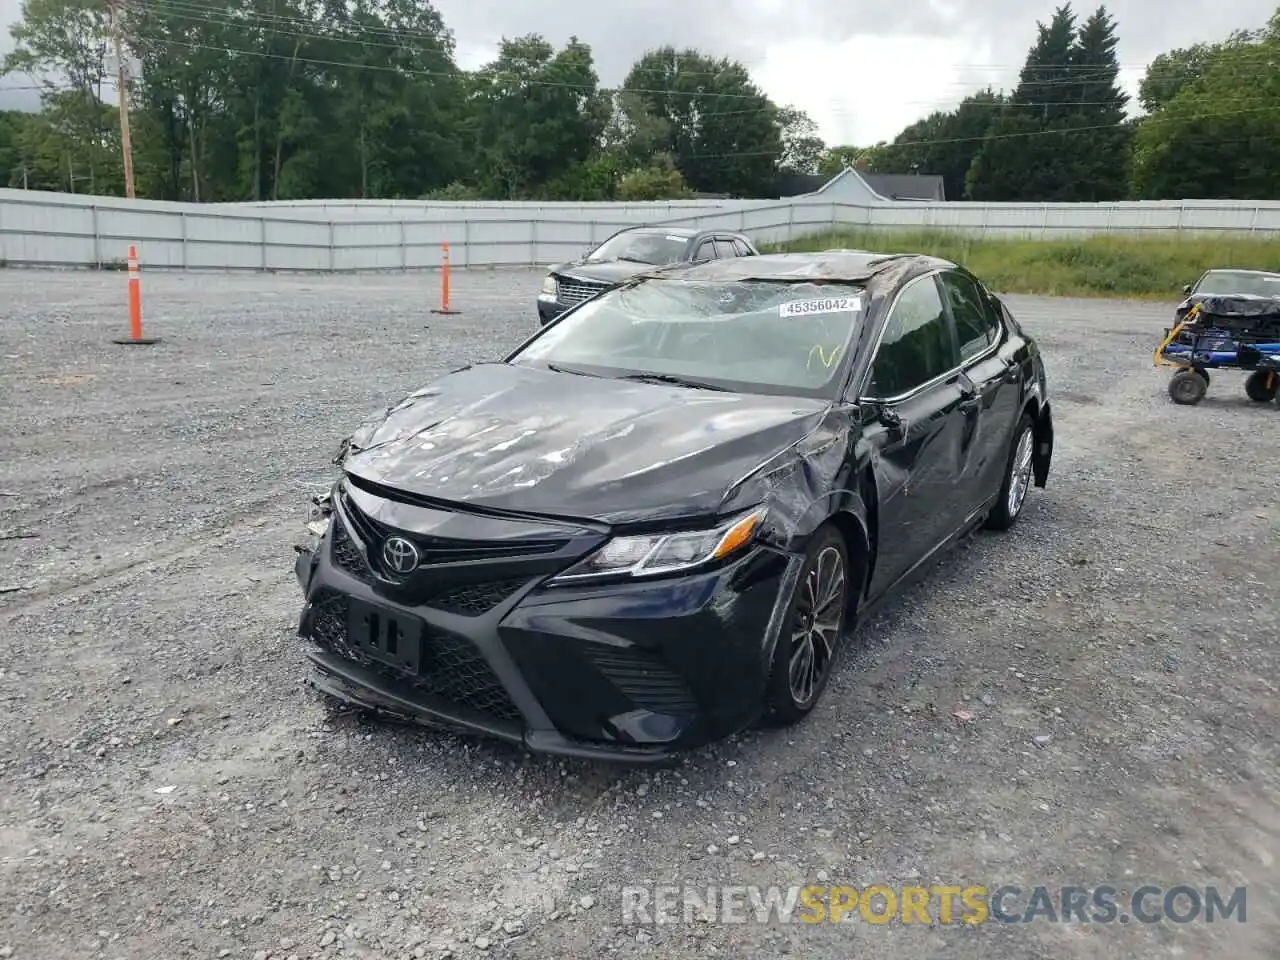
1017	476
811	636
1262	385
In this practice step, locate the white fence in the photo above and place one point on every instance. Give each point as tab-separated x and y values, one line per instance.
48	229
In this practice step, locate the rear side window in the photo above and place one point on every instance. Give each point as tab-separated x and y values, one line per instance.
917	345
976	326
707	251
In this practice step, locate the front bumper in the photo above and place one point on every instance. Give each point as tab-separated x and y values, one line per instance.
630	672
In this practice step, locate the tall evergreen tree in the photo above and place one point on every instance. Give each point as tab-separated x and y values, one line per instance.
1023	158
1100	156
1042	85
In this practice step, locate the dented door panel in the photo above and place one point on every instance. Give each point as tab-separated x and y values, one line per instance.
915	467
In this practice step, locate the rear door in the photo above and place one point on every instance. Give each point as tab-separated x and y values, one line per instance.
913	399
991	384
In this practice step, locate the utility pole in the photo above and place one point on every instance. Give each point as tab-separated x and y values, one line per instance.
122	88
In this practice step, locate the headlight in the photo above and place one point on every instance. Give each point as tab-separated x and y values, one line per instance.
549	287
647	556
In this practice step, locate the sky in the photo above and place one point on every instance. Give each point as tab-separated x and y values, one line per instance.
862	69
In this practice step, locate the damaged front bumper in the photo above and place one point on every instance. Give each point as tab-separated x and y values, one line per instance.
631	672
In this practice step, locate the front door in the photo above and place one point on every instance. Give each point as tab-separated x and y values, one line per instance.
914	399
991	383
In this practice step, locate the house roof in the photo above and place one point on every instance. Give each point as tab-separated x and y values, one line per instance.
906	186
797	184
891	186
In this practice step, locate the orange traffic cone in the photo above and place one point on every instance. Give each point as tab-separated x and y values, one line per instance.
444	281
135	304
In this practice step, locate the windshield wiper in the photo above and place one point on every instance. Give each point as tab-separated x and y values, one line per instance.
579	373
669	378
647	263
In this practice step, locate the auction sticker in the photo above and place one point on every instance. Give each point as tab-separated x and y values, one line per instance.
802	308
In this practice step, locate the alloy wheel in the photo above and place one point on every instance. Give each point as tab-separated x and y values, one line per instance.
1020	473
815	632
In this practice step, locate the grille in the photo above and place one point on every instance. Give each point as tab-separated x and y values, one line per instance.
344	552
435	550
467	600
643	679
453	668
474	599
575	291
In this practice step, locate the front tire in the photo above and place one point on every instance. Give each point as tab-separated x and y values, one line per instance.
811	635
1017	476
1187	387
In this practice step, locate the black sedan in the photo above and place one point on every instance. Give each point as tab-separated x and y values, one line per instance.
1229	282
627	254
655	522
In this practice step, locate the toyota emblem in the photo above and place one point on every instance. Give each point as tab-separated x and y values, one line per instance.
400	555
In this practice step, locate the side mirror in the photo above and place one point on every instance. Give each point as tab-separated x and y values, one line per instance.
1186	290
889	419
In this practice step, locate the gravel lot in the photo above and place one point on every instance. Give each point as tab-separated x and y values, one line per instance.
170	789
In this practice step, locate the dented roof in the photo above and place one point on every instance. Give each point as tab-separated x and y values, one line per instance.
834	266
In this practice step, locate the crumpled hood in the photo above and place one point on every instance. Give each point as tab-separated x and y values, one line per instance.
534	441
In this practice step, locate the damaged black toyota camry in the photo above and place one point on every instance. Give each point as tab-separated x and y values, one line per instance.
655	522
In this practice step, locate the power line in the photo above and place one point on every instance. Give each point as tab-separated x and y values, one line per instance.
189	10
1059	131
709	114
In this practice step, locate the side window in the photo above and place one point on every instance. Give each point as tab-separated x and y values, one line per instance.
976	326
917	344
742	248
707	251
724	248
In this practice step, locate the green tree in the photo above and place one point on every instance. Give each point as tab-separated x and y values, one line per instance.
1169	72
1216	136
802	148
945	143
722	130
1100	156
658	181
74	144
539	113
835	159
1062	136
12	125
1023	154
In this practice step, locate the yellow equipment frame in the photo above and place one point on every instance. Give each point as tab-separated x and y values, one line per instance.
1158	359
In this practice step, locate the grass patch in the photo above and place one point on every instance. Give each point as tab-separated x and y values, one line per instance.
1152	268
